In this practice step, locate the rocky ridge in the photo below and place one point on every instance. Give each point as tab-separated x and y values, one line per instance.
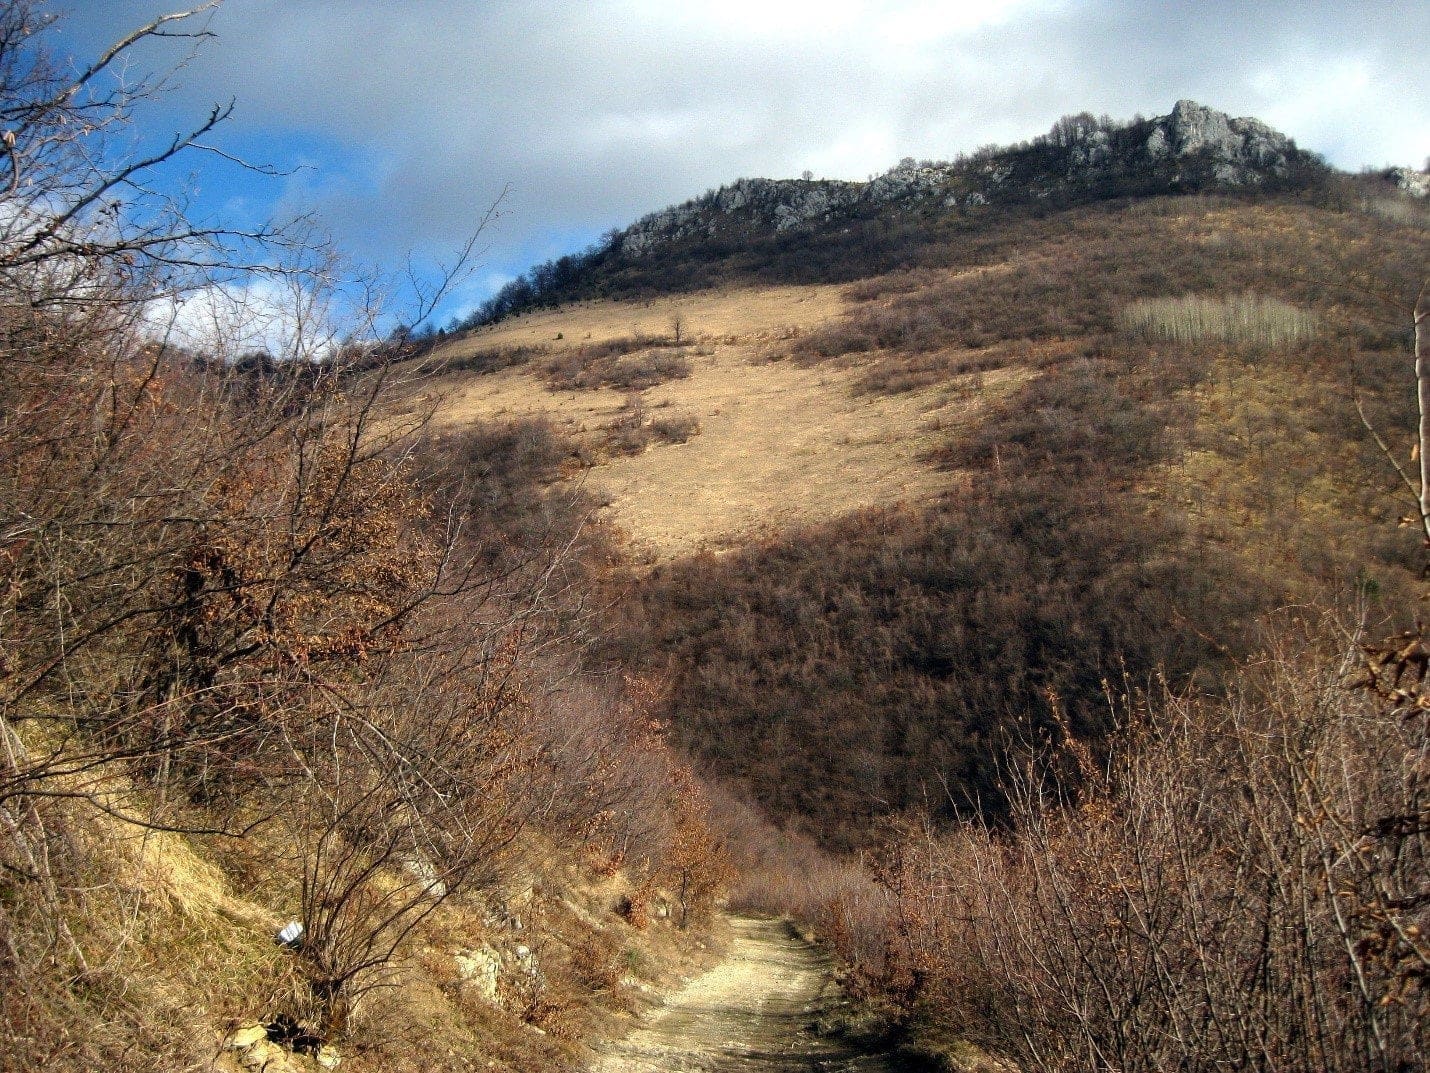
822	230
1193	147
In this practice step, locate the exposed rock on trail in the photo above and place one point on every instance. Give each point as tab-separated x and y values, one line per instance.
753	1012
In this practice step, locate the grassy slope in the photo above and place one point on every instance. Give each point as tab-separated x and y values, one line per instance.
780	443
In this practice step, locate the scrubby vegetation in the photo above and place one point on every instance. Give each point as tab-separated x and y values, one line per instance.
627	363
272	653
878	663
492	359
1131	816
502	480
1241	883
1097	270
638	426
273	649
633	363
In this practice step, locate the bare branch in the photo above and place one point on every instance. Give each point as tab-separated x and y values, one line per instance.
1384	447
150	29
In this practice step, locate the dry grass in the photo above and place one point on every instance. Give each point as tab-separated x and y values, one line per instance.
778	445
743	313
181	952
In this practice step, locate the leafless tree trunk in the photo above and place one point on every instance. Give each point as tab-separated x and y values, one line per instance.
1419	489
1422	395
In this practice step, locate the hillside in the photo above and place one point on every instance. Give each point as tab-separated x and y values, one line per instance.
937	494
765	442
978	570
1092	688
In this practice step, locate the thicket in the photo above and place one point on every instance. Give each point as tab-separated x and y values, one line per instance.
625	363
1248	319
502	480
1240	884
265	647
877	663
629	363
638	426
1236	878
494	359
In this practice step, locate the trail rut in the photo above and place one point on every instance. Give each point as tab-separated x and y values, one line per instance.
753	1013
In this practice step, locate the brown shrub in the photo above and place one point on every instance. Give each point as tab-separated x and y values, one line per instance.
494	359
1234	874
630	364
678	427
634	429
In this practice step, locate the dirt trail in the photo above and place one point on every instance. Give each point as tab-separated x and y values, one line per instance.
753	1012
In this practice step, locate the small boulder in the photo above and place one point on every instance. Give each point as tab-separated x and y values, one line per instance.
245	1036
480	968
266	1057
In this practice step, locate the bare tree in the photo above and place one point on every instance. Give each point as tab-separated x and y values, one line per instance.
80	216
412	789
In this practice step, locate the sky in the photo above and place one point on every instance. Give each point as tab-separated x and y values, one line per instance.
401	122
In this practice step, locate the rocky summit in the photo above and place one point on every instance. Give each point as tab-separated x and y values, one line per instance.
1191	148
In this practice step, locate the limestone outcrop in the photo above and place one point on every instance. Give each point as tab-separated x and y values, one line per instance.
1192	147
1409	181
1241	151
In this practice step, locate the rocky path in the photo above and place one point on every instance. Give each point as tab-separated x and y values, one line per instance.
751	1013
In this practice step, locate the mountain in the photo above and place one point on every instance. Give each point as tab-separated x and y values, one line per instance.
422	707
750	227
1029	450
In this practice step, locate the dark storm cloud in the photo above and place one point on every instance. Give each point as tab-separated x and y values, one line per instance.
594	112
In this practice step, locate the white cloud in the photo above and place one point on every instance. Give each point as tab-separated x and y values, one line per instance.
284	318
